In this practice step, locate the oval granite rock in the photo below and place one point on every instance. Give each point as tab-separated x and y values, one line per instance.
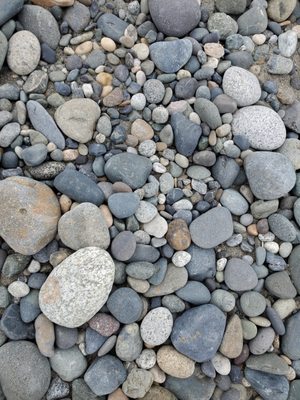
198	332
78	287
29	214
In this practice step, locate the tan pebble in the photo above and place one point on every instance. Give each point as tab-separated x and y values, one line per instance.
138	285
174	363
161	146
286	359
232	343
51	147
291	375
84	48
121	187
223	130
104	78
296	29
286	95
83	149
44	335
158	375
127	41
214	50
141	50
65	203
106	91
212	62
255	69
117	395
142	130
261	321
68	51
108	44
212	138
252	230
52	3
106	215
58	256
70	154
178	235
132	141
259	39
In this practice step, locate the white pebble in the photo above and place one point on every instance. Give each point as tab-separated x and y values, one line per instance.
181	258
266	237
146	359
221	364
34	266
87	90
160	169
18	289
221	264
138	101
272	247
285	249
220	276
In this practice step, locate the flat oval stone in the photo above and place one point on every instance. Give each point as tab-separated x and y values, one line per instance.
156	326
125	305
269	386
123	246
268	362
175	18
195	293
239	275
174	364
234	201
291	339
280	285
280	10
29	214
253	304
84	226
294	260
112	26
232	343
78	287
179	52
282	227
208	112
242	86
189	388
123	205
198	332
175	279
77	119
270	175
212	228
78	187
178	235
262	126
128	168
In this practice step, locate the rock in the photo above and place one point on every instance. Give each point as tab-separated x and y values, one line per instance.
279	285
81	391
29	306
24	52
291	149
58	388
186	133
279	65
114	98
290	341
123	246
294	389
138	383
232	343
128	168
291	118
270	175
129	344
294	269
41	23
287	43
91	282
268	362
44	123
158	227
269	386
261	125
282	227
77	16
225	171
84	226
77	119
105	375
174	279
65	338
234	7
242	86
3	49
12	325
198	332
44	335
194	292
93	341
47	170
179	51
262	342
78	187
35	155
234	201
9	10
68	364
123	205
156	326
14	264
223	24
212	228
145	212
174	364
208	112
18	361
253	304
157	392
52	3
178	235
29	214
125	305
189	388
280	10
206	269
175	18
239	275
9	133
37	82
253	21
112	26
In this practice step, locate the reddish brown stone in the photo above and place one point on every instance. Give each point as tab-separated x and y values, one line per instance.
178	235
104	324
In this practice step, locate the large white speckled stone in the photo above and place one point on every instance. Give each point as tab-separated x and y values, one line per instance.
78	287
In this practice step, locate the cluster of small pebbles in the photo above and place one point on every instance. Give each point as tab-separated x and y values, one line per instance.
149	200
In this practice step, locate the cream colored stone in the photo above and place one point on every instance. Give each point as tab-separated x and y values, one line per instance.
174	363
108	44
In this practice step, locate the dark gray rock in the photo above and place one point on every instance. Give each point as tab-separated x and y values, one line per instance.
57	389
44	123
123	246
41	23
291	340
29	306
186	133
93	341
128	168
225	171
125	305
77	16
235	7
123	205
9	9
13	326
198	332
9	91
239	275
291	118
112	26
105	375
254	20
78	187
191	388
81	391
223	24
279	285
65	337
170	56
282	227
95	58
14	264
186	88
3	48
208	112
294	390
294	262
144	252
269	386
270	175
195	293
206	269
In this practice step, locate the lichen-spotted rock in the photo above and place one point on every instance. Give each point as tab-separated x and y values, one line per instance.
29	214
78	287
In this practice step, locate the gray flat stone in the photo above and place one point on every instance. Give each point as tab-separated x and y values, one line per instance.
269	386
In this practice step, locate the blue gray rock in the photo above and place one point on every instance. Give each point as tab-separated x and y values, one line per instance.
170	56
191	388
13	326
206	269
294	261
129	344
234	201
3	48
279	65
223	24
186	133
291	118
291	340
279	285
65	338
112	26
254	20
93	341
195	293
78	187
125	305
81	391
29	306
225	171
282	227
269	386
198	332
68	364
9	91
239	275
9	9
208	112
77	16
35	155
123	205
44	123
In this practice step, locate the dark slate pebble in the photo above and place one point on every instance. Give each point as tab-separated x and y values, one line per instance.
198	332
125	305
78	187
29	306
123	246
13	326
105	375
35	155
242	59
95	58
65	338
9	160
141	270
254	20
187	134
268	386
62	88
9	91
225	171
77	16
9	9
36	280
276	321
241	141
73	62
185	88
144	252
112	26
195	293
93	341
190	388
57	389
291	340
123	205
47	54
206	269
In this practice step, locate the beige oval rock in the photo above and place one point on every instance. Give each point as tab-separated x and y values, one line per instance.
44	335
77	119
232	343
52	3
174	363
280	10
175	279
78	287
29	214
142	130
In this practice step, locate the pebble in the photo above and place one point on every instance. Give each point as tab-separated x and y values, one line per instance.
123	205
156	326
279	65
290	341
282	227
268	385
44	335
175	364
239	275
290	149
194	293
123	246
186	134
112	26
68	364
253	21
137	383
234	201
191	387
125	305
18	289
129	344
287	43
223	299
280	10
9	133
253	304
232	343
208	112
175	278
279	284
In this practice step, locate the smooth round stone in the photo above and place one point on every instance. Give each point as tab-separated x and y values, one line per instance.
123	205
262	342
290	341
77	16
9	133
8	10
18	360
242	86
175	18
181	51
12	325
145	212
249	329
125	305
77	119
181	258
287	43
268	386
68	364
291	149
223	299
129	344
175	364
65	338
221	364
195	293
234	201
294	260
262	126
84	226
198	332
212	228
141	270
270	175
231	6
147	359
44	335
35	155
239	275
223	24
157	227
205	269
154	91
123	246
18	289
138	383
178	235
280	285
232	343
29	214
253	304
72	298
282	227
156	326
29	306
280	10
104	324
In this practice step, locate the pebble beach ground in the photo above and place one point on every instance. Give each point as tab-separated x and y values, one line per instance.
149	200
